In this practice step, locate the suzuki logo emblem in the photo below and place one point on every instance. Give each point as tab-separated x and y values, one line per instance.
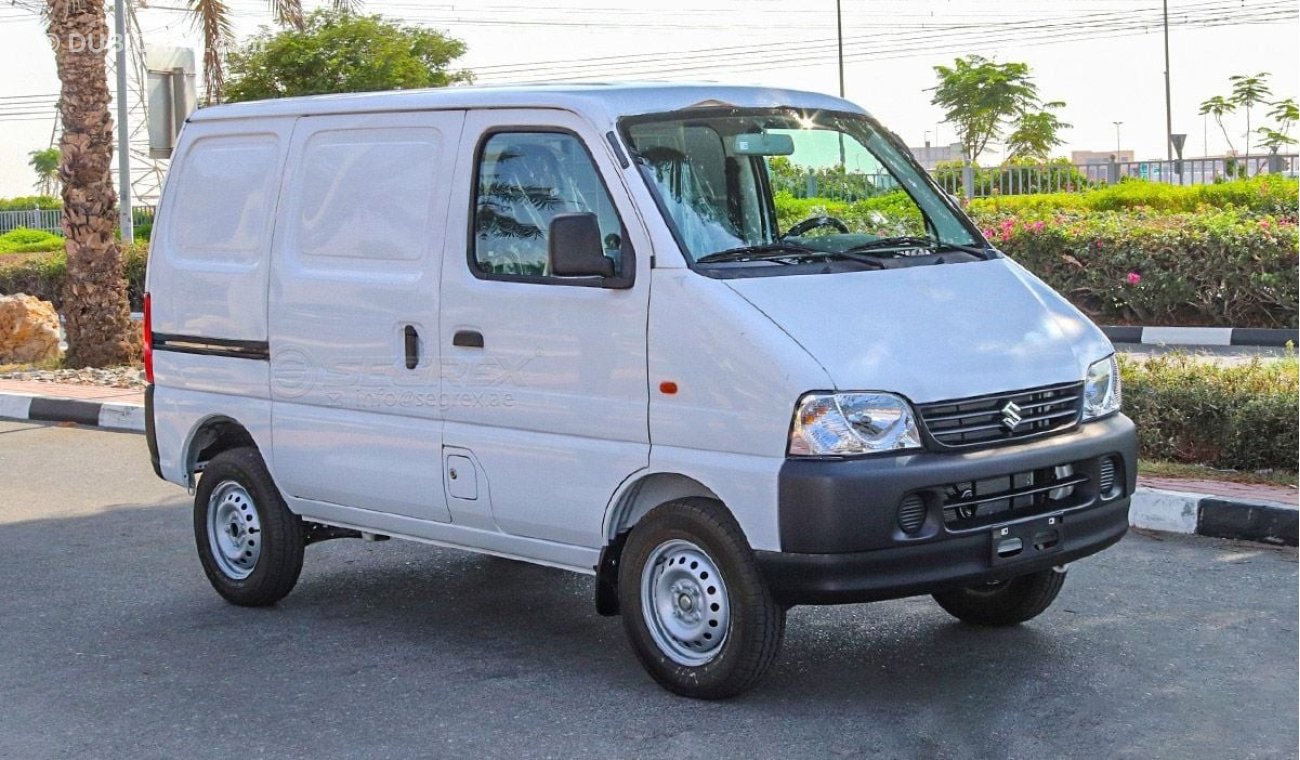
1011	416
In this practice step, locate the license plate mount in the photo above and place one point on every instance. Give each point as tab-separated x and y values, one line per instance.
1023	541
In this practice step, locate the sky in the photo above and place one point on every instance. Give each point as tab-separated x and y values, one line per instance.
1104	58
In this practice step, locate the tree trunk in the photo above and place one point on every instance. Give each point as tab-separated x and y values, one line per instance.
95	310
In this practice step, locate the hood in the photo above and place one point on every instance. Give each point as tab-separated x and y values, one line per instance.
932	333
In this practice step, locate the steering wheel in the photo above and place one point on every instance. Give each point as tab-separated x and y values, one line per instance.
812	223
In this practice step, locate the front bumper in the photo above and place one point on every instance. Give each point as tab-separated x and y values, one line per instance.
842	540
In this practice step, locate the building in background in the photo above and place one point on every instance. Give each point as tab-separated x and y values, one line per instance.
929	155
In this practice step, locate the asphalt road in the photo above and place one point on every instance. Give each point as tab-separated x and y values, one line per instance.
112	645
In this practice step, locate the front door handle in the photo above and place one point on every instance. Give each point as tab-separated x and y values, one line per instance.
412	347
467	339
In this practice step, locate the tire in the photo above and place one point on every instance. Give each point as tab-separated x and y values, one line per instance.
721	639
1006	602
255	561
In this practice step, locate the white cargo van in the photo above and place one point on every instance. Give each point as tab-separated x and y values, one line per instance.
579	326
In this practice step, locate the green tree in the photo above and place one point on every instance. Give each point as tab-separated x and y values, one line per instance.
1248	92
213	18
1218	107
46	165
340	51
1286	113
980	97
1036	133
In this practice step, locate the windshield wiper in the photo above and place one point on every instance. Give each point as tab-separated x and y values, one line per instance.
929	244
776	251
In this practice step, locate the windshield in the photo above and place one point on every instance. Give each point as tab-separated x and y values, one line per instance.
749	185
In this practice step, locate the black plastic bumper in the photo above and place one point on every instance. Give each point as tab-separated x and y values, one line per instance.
150	433
842	542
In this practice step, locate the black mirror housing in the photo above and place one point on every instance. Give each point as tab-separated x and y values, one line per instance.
575	248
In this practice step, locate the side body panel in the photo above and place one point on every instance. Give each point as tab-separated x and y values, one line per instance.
738	376
354	311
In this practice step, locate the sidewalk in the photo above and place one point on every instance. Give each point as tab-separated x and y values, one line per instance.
1251	512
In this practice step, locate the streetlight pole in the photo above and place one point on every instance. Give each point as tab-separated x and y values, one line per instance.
125	222
1169	112
839	37
1117	142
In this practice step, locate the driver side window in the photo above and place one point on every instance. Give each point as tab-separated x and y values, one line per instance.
526	179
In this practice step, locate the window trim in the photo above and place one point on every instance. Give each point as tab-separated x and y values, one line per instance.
622	280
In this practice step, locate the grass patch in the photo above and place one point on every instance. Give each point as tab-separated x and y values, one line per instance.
1160	469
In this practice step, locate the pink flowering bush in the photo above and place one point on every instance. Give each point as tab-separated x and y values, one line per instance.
1223	268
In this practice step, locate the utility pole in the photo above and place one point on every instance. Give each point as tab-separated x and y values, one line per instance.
1169	111
1117	142
839	36
123	130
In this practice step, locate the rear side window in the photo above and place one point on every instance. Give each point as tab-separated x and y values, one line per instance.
226	198
526	179
368	193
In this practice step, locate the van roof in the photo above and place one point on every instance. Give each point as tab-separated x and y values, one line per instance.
599	101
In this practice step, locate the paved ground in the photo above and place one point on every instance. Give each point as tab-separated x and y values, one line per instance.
112	645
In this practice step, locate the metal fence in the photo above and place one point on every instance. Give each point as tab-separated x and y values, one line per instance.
51	219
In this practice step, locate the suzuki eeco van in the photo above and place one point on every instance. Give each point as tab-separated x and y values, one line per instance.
589	327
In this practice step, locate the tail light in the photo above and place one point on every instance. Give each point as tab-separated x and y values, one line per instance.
148	339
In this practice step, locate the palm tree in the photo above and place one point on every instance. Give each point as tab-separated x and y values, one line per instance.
214	20
95	311
46	165
1248	92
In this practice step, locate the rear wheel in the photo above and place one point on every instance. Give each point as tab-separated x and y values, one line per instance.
1006	602
695	605
250	544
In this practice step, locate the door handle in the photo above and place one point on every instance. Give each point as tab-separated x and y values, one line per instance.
467	339
412	347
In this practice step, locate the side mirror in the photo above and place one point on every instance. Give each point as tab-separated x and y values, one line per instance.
575	249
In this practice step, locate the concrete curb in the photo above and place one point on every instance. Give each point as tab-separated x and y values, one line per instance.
1152	508
1201	336
101	414
1205	515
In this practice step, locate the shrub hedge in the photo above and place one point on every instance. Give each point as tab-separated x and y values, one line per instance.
1227	267
1216	268
1269	194
29	202
23	240
1238	417
42	276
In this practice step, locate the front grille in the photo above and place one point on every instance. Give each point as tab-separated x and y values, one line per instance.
985	420
984	502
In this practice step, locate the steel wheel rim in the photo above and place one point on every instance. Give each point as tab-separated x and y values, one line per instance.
234	530
684	602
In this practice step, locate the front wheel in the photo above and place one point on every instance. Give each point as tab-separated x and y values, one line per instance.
1003	603
249	543
695	605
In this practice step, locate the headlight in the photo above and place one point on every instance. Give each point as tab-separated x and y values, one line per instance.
844	424
1101	389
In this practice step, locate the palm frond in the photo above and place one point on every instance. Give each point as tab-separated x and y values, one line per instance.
212	18
346	6
288	13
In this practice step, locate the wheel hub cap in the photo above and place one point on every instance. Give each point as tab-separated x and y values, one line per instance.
234	530
685	602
